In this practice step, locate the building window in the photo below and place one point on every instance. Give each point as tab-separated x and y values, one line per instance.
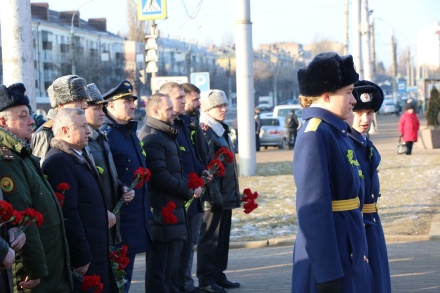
47	40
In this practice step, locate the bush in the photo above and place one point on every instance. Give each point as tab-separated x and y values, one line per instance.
433	110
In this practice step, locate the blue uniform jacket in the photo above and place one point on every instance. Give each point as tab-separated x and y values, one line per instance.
128	156
369	159
329	245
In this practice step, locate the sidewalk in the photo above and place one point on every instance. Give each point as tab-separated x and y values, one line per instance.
266	265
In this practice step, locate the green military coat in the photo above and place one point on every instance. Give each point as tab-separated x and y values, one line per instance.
45	255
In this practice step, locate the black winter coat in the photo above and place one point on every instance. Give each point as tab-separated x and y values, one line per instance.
167	182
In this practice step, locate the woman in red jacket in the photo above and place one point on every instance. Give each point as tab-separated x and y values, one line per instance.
409	127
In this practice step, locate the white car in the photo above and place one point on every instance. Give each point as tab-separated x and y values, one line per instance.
272	132
388	107
283	111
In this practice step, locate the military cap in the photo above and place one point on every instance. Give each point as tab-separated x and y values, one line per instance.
66	89
14	95
327	72
122	90
95	97
369	96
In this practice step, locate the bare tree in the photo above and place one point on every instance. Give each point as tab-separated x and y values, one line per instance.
325	45
136	27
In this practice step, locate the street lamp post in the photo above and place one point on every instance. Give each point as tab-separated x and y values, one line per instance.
72	44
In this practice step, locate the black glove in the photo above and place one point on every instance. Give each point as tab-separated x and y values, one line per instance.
330	287
216	207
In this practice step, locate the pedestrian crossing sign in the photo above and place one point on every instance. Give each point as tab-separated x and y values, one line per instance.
152	9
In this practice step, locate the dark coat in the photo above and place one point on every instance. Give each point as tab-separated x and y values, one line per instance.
128	156
85	213
223	189
409	126
190	158
41	140
167	182
112	187
44	255
329	245
369	159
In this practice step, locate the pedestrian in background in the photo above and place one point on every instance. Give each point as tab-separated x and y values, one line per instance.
291	123
224	195
369	100
257	120
409	127
330	253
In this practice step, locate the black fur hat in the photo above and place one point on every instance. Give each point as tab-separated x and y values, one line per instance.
369	96
327	72
14	95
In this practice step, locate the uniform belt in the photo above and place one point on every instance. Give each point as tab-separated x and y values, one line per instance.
345	204
369	208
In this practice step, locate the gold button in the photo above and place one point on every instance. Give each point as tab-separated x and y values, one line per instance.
372	196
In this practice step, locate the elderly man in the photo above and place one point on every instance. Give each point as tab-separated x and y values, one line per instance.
69	91
84	207
128	156
100	149
43	264
167	185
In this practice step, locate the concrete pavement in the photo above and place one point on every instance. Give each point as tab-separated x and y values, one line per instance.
266	266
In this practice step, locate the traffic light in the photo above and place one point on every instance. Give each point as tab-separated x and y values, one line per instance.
151	57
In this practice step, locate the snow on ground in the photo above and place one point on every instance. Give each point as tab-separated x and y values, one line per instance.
409	188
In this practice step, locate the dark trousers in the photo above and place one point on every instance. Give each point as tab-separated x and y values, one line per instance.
291	137
213	247
162	268
409	146
257	142
186	282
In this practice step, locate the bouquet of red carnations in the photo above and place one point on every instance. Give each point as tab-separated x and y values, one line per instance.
248	199
119	260
89	282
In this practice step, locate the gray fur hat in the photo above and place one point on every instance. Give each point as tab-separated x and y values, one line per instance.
66	89
212	99
95	97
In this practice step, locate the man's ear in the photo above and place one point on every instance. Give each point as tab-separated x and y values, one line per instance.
2	121
65	131
326	97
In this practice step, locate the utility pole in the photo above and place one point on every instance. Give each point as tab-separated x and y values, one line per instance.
394	65
245	88
347	8
357	50
72	43
365	32
373	50
17	51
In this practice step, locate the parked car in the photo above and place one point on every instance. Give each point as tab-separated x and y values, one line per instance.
388	107
263	106
272	132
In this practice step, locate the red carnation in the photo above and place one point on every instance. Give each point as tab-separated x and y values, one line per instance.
216	168
63	187
92	283
224	155
195	181
167	213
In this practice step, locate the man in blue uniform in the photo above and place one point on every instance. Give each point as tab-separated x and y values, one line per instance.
128	156
369	99
330	252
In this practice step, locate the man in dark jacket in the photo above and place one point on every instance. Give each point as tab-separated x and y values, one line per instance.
193	151
84	207
103	158
224	195
291	123
69	91
128	156
167	185
43	264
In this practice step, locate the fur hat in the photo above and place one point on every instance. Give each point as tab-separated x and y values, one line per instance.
95	97
122	90
66	89
369	96
212	99
14	95
327	72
